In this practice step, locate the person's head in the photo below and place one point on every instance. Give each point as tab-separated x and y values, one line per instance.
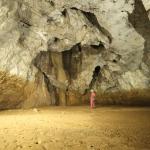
92	90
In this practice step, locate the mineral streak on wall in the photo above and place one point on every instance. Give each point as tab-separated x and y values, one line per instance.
53	52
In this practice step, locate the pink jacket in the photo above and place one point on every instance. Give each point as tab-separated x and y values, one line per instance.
93	95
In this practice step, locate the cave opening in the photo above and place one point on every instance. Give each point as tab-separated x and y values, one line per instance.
95	76
114	61
64	12
96	71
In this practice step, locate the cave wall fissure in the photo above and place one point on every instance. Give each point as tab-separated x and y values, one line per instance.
140	21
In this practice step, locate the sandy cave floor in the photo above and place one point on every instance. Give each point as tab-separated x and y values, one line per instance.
75	128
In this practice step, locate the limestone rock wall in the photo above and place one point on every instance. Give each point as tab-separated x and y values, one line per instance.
53	52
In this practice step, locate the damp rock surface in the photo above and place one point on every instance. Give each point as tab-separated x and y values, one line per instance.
50	52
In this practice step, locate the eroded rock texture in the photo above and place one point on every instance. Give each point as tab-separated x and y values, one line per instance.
52	52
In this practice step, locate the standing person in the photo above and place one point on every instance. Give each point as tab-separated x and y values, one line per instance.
92	98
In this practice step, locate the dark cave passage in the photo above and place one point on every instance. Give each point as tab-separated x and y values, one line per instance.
96	73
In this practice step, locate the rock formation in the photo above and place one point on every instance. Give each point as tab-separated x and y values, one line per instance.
52	52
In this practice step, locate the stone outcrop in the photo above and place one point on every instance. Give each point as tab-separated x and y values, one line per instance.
53	52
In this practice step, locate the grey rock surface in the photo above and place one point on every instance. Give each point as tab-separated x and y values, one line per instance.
53	52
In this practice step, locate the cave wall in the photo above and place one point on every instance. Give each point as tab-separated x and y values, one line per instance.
50	49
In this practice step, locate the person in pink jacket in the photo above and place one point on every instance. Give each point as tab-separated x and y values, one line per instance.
92	99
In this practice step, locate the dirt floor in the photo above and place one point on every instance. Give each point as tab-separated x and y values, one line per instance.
75	128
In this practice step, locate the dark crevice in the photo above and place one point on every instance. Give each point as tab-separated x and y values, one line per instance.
79	48
140	21
64	12
51	89
115	61
24	15
55	40
89	50
100	46
72	61
52	3
96	72
43	63
94	21
74	8
25	23
49	19
92	18
95	76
